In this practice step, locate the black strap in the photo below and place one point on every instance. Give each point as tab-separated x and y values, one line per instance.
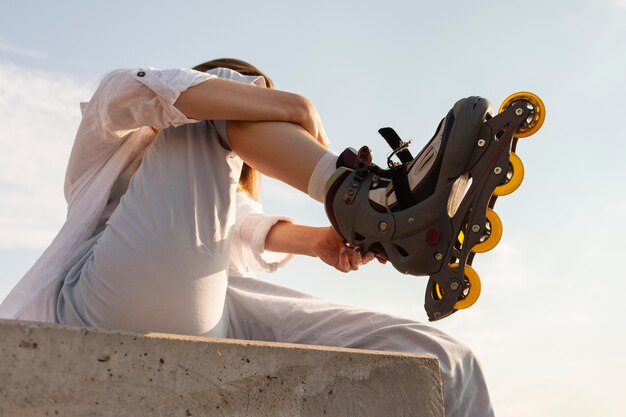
401	187
393	140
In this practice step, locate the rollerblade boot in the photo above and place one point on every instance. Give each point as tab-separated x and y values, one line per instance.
431	214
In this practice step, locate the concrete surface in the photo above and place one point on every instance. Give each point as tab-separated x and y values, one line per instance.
50	370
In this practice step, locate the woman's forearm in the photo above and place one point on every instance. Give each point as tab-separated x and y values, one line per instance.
220	99
298	239
321	242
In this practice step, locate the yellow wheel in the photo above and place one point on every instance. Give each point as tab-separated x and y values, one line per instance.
494	233
494	229
515	176
474	289
439	291
538	114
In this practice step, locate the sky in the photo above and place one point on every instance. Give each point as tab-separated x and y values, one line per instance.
547	327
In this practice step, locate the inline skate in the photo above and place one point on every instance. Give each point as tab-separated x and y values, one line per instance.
430	215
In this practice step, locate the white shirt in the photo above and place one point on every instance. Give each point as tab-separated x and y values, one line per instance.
118	124
247	253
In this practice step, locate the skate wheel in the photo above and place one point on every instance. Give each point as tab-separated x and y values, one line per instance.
538	114
438	292
515	175
474	288
493	233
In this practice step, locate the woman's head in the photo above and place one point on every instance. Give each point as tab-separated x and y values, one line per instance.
242	67
249	180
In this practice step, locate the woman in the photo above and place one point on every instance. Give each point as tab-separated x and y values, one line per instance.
151	187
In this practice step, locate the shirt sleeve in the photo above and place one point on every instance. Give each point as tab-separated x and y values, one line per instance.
133	98
129	104
250	231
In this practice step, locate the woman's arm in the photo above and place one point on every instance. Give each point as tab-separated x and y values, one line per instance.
220	99
320	242
129	99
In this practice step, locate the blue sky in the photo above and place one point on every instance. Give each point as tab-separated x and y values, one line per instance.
547	326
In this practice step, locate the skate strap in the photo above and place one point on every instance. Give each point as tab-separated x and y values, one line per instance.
401	186
397	144
347	158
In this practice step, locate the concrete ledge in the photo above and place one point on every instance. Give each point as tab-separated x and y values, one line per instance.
49	370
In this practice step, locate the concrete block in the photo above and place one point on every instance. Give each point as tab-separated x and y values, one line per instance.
50	370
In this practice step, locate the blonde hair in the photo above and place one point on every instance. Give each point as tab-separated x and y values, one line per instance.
249	182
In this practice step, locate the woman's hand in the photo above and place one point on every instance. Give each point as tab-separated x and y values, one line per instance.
310	120
321	242
329	247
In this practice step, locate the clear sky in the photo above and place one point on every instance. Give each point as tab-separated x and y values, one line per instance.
547	326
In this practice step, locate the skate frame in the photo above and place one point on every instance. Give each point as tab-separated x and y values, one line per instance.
488	168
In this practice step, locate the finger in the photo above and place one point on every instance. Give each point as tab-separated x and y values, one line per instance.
355	260
343	264
321	135
323	139
368	257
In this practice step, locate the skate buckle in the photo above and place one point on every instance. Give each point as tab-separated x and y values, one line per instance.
363	162
403	146
362	166
351	193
